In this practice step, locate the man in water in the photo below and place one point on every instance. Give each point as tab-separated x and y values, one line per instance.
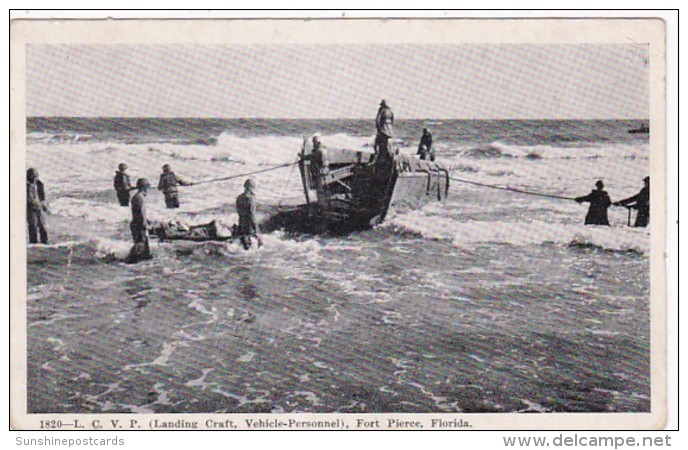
425	146
246	209
139	222
35	206
168	185
384	122
641	202
599	203
122	185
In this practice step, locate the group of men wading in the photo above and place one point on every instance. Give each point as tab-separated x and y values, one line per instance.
247	228
168	185
245	206
600	201
36	206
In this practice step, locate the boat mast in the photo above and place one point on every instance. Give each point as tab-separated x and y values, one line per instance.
304	179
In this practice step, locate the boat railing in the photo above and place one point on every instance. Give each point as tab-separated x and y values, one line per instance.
338	174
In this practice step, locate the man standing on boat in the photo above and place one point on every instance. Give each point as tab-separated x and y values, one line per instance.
599	203
641	202
384	122
319	163
168	185
246	209
425	147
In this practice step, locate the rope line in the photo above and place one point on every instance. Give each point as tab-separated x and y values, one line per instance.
246	174
460	180
521	191
510	189
284	191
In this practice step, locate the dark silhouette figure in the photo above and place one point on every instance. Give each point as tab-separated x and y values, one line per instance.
319	163
425	147
599	203
139	223
384	123
122	185
168	185
641	202
35	206
246	209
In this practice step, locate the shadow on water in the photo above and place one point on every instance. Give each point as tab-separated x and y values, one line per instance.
590	247
138	290
246	289
102	196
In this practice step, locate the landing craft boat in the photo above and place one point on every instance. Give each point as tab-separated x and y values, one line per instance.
358	190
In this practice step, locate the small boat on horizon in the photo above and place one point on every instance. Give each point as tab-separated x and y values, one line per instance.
643	129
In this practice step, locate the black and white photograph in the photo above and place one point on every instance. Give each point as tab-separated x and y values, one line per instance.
338	224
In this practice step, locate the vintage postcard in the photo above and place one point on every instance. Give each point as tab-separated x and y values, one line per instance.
348	224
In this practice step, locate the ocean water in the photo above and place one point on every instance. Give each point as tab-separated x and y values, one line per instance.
492	301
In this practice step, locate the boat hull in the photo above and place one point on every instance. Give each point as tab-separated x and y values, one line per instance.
363	191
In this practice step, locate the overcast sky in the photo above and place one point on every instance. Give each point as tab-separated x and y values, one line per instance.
339	81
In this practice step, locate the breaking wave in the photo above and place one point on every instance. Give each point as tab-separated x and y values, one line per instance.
496	150
427	224
90	250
